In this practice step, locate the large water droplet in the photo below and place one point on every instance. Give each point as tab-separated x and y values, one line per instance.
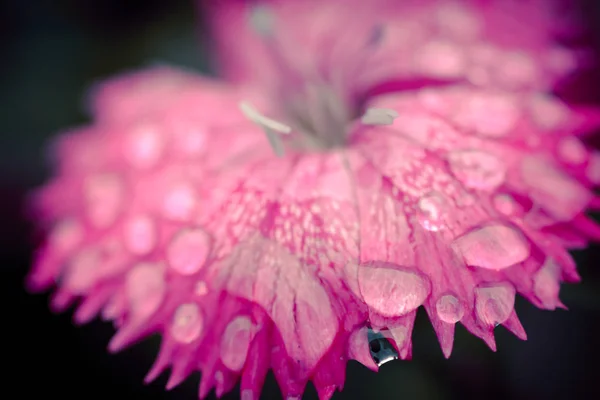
179	202
494	303
104	196
488	114
477	169
66	235
493	247
144	147
382	351
440	59
571	151
235	343
560	195
82	271
391	291
517	69
146	288
187	323
140	235
505	204
449	309
432	211
548	112
188	251
546	284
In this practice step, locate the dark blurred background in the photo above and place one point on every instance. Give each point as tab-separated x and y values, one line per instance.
50	52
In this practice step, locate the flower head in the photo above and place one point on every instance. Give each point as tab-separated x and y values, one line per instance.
286	222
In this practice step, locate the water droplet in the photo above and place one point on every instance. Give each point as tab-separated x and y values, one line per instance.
187	323
561	196
391	291
188	250
200	289
235	343
440	59
505	204
546	284
82	271
477	169
592	170
145	287
104	196
458	22
449	309
517	69
571	151
493	247
432	211
190	140
179	202
382	351
494	303
548	112
66	235
140	235
489	114
247	394
144	147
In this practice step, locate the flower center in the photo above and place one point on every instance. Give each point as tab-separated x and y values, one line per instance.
315	108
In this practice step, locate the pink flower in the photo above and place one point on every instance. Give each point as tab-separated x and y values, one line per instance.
502	43
287	221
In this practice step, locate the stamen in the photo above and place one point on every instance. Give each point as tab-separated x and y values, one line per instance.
253	115
379	116
269	126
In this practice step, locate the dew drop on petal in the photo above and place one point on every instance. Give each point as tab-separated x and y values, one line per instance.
382	351
571	151
488	114
561	196
390	291
477	169
546	284
188	250
517	69
104	196
146	288
247	394
179	202
457	22
187	323
144	147
449	309
494	303
66	235
493	247
547	112
235	343
140	235
82	271
200	289
505	204
190	141
592	170
432	211
440	59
